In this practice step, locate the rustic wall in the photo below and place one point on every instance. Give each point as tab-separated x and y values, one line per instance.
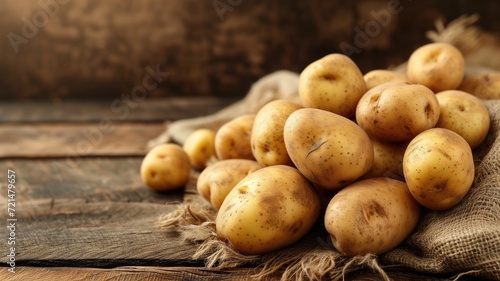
77	49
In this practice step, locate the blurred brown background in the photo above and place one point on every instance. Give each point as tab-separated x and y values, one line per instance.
68	49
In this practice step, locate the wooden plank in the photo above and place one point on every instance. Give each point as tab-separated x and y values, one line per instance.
63	232
77	140
153	109
100	212
131	273
154	273
88	179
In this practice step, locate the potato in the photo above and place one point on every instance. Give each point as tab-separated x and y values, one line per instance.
200	147
215	182
439	66
485	85
269	209
371	216
333	83
387	160
439	168
464	114
232	140
328	149
266	138
380	76
397	111
166	167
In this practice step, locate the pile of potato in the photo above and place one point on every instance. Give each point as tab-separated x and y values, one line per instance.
362	153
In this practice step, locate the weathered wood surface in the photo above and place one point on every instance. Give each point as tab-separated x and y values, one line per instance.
117	110
67	140
155	273
91	218
101	49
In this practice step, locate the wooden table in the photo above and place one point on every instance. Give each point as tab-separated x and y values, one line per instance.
81	210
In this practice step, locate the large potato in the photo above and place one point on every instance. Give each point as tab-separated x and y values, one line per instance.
166	167
485	85
328	149
371	216
464	114
438	66
217	180
266	138
397	111
333	83
200	147
380	76
232	140
269	209
438	167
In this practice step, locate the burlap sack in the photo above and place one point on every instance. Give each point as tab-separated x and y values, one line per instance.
463	241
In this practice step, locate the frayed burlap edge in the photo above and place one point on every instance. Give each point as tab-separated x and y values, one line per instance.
309	259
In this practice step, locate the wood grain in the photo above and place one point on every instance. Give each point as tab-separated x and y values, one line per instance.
100	234
77	140
119	110
132	273
102	48
87	179
154	273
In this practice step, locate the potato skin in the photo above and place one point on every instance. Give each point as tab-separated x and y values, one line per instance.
166	167
397	111
200	147
333	83
438	66
387	160
328	149
380	76
217	180
438	167
266	140
464	114
269	209
232	140
371	216
484	86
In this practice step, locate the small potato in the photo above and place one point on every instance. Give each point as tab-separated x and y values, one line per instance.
232	140
215	182
166	167
200	147
333	83
380	76
438	66
387	160
484	86
438	167
397	111
464	114
266	140
269	209
371	216
328	149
